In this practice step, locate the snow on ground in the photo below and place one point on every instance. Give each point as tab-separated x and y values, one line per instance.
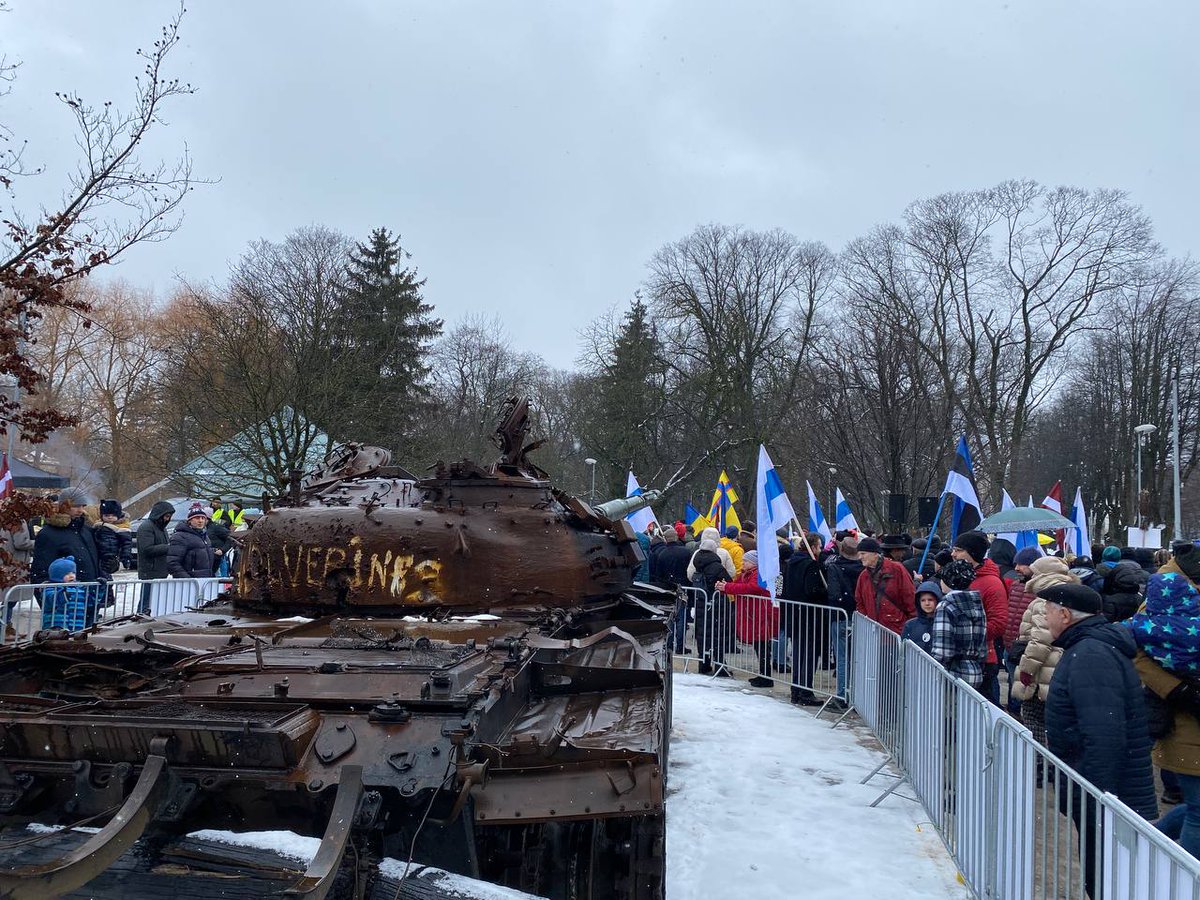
764	801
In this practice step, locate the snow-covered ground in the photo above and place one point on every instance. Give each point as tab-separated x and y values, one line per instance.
764	801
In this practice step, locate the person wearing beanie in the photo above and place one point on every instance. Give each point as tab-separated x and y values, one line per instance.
973	546
681	530
1096	710
114	540
190	552
708	566
70	606
959	635
1168	662
731	545
756	618
1019	598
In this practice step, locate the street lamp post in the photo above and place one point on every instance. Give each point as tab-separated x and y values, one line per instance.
1142	432
591	462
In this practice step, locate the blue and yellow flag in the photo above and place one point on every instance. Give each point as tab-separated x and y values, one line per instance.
694	521
721	511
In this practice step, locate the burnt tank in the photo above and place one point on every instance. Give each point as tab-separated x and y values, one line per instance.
457	671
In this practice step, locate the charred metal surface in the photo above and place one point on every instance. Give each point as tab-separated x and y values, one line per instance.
399	718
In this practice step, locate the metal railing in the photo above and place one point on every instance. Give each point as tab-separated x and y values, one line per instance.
1019	822
802	645
77	606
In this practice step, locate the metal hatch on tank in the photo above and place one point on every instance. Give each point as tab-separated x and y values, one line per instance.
527	748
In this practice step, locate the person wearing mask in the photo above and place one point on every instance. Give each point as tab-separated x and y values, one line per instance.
1096	714
153	544
708	565
972	547
919	630
841	576
756	617
884	592
1034	647
190	553
1019	598
1171	675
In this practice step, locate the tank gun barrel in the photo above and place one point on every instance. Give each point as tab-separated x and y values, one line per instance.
623	506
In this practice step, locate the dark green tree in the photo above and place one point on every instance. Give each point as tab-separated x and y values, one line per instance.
629	397
389	329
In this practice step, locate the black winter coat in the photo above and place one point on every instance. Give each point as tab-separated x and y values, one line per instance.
114	546
190	554
1096	713
803	580
842	574
1123	587
219	537
63	536
153	542
709	569
668	567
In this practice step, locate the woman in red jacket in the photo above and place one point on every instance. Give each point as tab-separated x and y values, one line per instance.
756	617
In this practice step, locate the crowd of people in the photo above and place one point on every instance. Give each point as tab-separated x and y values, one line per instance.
78	548
1099	659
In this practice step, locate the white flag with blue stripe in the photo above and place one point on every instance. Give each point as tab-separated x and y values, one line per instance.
816	518
773	511
643	518
1081	540
843	518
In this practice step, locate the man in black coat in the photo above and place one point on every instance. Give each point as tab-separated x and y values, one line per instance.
67	532
803	622
668	569
1096	712
190	554
152	545
841	572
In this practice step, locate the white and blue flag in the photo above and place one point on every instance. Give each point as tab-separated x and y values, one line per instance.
816	518
1081	540
843	518
773	511
643	518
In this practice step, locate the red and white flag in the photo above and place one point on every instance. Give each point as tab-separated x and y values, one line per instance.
6	485
1054	501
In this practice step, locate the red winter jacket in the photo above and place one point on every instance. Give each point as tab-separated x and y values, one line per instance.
756	617
896	601
1018	601
995	604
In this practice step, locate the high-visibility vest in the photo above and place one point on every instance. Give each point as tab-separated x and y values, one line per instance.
233	519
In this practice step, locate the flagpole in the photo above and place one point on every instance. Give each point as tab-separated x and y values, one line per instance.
932	531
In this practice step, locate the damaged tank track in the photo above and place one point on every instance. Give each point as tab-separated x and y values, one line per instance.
457	670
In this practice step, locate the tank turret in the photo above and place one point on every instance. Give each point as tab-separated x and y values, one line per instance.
360	535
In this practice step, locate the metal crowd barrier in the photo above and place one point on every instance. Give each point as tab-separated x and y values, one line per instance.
800	645
76	606
1018	821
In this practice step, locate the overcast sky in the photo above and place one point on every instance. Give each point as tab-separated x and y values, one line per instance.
533	156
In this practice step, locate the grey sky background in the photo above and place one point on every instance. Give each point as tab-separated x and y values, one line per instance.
534	155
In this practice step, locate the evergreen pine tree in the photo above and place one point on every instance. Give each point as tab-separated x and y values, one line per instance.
389	330
631	398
